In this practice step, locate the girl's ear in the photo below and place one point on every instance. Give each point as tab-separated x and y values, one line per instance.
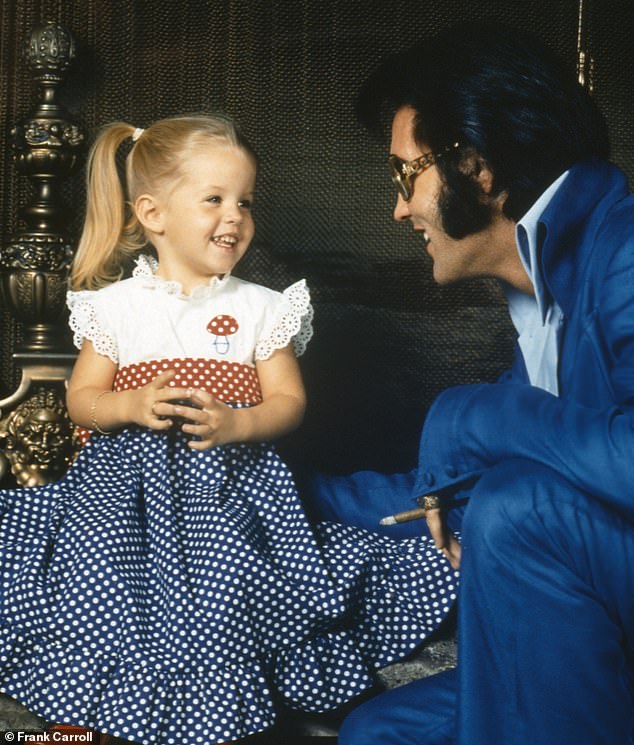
149	213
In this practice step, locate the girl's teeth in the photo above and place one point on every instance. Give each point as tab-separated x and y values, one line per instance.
226	241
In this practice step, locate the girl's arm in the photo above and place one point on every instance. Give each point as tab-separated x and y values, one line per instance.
281	411
93	404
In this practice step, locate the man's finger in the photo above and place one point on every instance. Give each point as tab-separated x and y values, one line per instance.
436	527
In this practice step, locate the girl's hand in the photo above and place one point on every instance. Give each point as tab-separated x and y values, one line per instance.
150	406
213	422
280	412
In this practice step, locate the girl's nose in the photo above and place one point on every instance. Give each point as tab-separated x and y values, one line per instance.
233	213
401	209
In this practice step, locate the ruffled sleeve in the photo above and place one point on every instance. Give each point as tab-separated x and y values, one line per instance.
290	321
88	321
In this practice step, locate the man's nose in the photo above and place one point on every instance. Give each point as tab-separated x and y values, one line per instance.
401	209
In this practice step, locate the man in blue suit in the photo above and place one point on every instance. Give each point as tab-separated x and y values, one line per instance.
500	160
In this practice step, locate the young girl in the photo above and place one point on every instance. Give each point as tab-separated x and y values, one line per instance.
169	588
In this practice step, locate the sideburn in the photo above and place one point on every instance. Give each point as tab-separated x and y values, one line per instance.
463	207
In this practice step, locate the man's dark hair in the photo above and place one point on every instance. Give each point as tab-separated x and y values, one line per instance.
506	98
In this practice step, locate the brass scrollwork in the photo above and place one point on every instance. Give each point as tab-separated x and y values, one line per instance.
38	439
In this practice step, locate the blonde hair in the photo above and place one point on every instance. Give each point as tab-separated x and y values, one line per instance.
112	234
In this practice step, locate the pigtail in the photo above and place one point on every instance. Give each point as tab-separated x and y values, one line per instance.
111	232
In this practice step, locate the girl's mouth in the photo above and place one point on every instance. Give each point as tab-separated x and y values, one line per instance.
225	241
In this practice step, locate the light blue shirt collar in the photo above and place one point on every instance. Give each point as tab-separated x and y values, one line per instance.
538	319
529	243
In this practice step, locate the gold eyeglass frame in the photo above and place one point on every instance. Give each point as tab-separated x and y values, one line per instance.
404	172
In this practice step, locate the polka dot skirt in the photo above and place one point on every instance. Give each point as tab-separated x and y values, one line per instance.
168	596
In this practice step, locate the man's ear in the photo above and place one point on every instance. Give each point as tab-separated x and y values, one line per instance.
476	167
149	213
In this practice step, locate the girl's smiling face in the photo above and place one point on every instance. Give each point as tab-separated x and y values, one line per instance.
201	224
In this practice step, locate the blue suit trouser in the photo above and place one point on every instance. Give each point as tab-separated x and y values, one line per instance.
546	626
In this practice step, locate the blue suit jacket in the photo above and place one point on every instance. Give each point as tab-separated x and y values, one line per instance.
587	433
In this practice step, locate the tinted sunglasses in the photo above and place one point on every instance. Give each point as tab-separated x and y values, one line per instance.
404	172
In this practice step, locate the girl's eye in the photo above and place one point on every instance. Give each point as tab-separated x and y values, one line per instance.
245	204
215	200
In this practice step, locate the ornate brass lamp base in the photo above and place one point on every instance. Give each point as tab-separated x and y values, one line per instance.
36	436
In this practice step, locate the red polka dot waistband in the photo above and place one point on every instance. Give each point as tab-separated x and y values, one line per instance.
229	382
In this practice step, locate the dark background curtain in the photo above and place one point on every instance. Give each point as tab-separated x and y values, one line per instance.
387	340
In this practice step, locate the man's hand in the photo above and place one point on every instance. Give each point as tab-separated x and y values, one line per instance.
443	538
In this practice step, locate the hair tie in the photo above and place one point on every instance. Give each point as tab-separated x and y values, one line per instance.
137	133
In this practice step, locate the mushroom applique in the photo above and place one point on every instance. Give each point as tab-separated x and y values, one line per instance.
222	327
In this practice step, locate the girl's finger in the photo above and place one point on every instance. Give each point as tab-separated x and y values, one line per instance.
200	430
202	398
169	393
162	379
160	424
200	444
190	413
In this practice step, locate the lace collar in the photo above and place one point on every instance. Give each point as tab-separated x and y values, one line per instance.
146	268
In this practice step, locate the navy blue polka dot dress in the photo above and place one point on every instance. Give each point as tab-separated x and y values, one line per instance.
167	595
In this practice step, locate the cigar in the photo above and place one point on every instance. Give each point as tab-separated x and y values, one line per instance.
404	517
